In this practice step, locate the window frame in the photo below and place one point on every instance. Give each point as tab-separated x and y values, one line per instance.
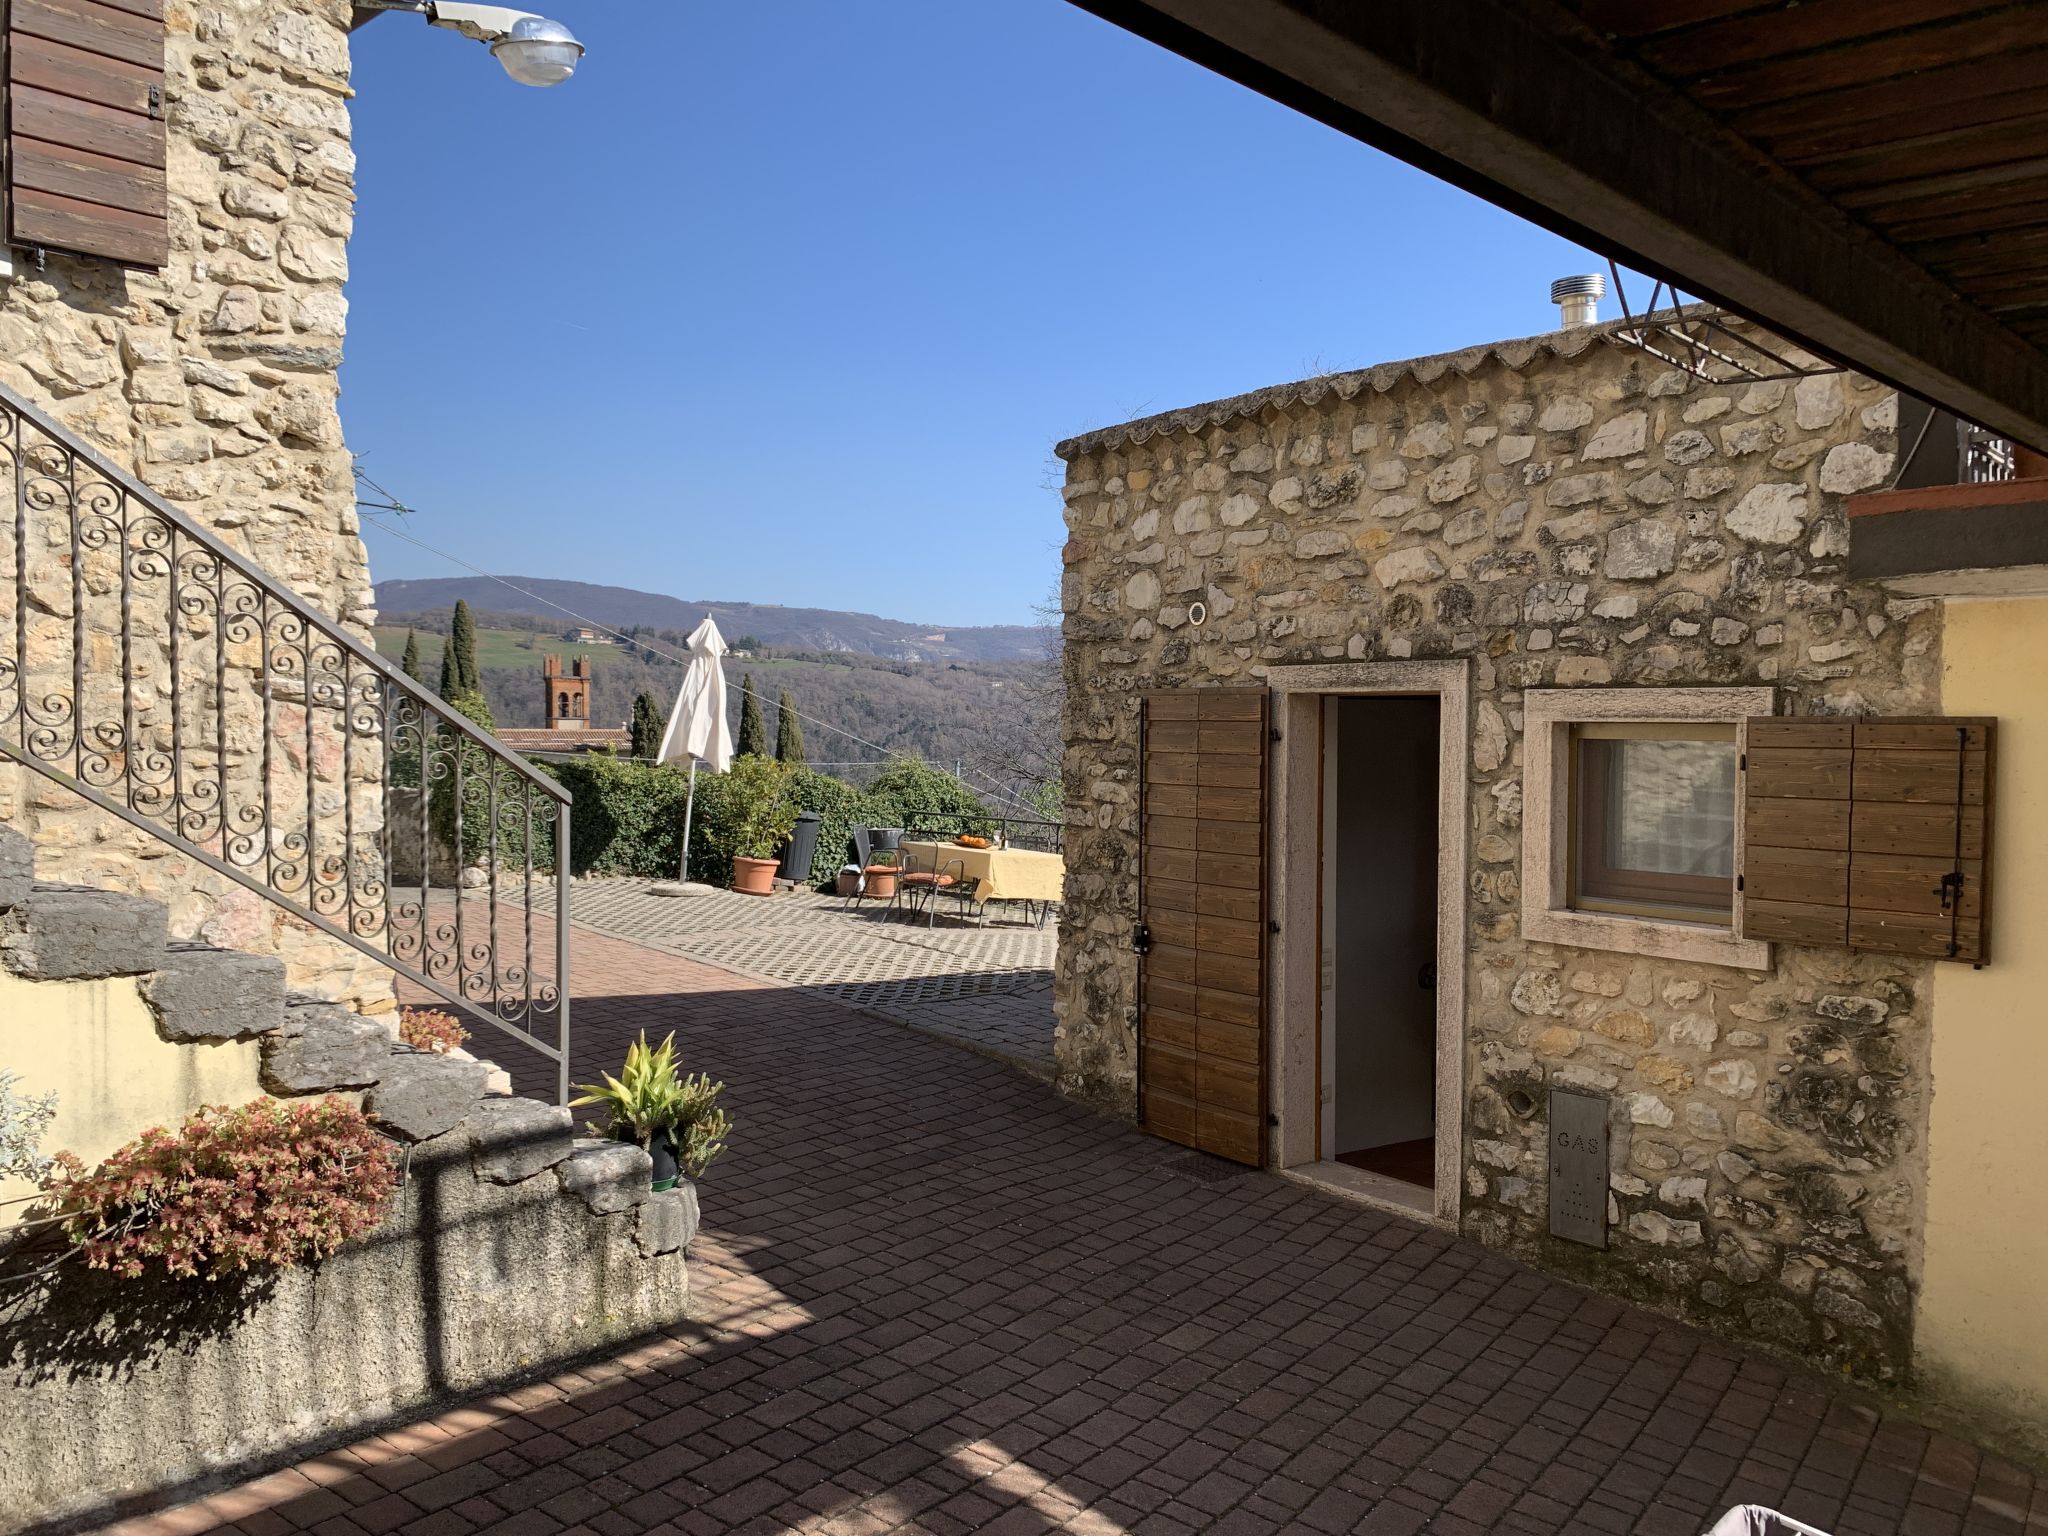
1630	892
1549	822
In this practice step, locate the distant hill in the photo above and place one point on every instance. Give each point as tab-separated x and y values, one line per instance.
800	629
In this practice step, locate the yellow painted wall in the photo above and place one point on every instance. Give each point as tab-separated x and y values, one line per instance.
95	1042
1980	1338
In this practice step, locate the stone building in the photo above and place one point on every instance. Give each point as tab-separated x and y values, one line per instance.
211	377
1407	771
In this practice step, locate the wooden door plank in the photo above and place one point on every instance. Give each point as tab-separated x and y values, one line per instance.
1170	1116
1233	1042
1162	735
1172	832
1890	882
1919	778
1244	838
1775	731
1176	1030
1804	875
1231	1086
1902	933
1170	962
1240	1138
1221	901
1218	771
1172	767
1770	823
1231	805
1167	895
1227	973
1171	927
1918	829
1246	704
54	119
93	27
87	76
1799	773
1794	922
89	178
1926	735
66	224
1221	1007
1226	936
1170	704
1169	1069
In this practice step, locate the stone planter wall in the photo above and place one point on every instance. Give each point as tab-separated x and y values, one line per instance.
1561	513
510	1247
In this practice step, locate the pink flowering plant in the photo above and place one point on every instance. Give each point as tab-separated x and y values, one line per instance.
430	1029
264	1185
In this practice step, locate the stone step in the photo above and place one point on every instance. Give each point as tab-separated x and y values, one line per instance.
17	868
322	1048
201	994
75	933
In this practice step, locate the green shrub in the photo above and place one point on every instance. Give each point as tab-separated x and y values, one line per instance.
628	816
912	793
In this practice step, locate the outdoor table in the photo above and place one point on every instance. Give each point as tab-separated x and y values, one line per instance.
1000	874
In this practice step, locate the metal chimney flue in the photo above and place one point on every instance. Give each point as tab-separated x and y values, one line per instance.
1578	299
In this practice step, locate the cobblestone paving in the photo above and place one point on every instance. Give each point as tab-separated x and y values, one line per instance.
989	988
932	1296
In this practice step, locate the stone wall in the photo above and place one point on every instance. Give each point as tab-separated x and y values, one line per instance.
214	382
1562	512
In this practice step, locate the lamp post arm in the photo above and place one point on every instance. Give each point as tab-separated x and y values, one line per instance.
483	23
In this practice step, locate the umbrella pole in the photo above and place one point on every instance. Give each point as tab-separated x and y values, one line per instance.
689	807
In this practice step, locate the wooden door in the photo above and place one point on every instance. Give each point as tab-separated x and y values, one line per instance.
1202	920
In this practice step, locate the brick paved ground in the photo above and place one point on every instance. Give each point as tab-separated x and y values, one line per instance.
933	1296
986	985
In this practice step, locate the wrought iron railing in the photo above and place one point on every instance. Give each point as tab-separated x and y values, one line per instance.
169	680
1012	831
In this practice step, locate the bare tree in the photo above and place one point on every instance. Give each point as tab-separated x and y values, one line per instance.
1018	742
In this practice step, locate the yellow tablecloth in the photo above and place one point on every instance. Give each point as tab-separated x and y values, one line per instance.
1003	874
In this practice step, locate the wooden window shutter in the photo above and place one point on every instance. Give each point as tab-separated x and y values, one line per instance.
1874	834
85	128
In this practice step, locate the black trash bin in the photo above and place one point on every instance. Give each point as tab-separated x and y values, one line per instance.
802	851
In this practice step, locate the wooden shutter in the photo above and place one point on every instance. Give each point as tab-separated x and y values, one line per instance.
1874	834
1202	915
85	128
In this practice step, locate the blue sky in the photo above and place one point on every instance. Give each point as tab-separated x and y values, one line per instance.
788	301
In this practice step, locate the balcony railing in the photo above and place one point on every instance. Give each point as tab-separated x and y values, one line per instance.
169	680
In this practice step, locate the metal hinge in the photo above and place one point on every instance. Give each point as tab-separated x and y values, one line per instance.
1141	938
156	101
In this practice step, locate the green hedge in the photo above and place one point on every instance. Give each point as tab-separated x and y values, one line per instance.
628	816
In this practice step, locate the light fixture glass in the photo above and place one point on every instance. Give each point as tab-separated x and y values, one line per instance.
537	51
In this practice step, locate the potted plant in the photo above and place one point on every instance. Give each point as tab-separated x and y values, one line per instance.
881	873
644	1104
763	813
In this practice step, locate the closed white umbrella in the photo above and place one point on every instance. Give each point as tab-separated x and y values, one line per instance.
697	728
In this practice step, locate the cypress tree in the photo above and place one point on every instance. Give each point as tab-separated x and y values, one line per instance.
753	733
647	726
450	683
410	664
789	732
469	677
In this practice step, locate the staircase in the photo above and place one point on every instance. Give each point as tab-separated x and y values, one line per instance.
134	1029
165	678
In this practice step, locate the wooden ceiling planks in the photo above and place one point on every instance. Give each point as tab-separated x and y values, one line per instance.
1924	120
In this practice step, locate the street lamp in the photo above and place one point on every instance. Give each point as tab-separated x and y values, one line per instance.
533	49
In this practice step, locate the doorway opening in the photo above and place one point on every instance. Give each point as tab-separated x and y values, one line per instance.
1378	1037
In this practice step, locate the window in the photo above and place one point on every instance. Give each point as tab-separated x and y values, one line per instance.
1632	808
1653	820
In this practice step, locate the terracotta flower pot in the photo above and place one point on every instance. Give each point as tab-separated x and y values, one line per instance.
754	877
848	883
881	880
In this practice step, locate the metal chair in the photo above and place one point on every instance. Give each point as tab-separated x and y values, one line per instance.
920	880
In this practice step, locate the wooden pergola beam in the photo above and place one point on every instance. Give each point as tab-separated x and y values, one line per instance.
1509	100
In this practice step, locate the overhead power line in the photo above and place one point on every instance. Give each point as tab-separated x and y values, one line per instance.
374	508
